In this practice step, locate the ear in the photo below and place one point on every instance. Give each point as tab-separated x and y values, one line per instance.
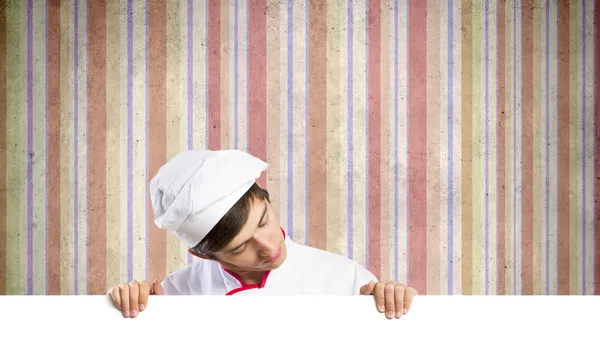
191	251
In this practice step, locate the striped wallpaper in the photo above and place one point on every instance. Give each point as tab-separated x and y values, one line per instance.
449	144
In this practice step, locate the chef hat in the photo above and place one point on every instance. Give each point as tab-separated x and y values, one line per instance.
195	189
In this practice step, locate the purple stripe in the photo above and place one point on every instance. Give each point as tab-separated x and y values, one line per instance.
46	139
76	148
487	250
450	147
129	140
191	81
290	139
584	157
147	143
30	147
350	132
367	136
235	74
547	147
514	150
306	122
396	140
87	209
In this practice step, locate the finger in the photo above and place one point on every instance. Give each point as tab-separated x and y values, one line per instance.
379	296
145	290
134	296
116	297
389	300
399	291
368	288
409	297
124	290
157	288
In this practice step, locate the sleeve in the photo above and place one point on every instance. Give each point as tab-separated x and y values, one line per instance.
362	277
169	287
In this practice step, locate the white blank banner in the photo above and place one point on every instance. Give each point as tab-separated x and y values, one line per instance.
219	327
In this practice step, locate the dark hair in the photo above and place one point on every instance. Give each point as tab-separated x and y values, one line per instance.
231	223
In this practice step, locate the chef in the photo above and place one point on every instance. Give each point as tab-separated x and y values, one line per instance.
211	201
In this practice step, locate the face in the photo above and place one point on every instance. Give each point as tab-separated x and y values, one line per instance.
259	246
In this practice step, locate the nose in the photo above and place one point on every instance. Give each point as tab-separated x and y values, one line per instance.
267	247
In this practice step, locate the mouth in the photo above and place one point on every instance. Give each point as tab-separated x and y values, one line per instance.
274	258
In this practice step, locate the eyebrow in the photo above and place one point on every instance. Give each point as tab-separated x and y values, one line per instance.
259	222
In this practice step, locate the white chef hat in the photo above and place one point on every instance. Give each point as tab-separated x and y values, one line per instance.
195	189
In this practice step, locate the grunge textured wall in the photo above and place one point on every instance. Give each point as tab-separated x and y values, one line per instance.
451	145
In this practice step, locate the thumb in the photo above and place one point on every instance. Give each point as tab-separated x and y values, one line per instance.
368	288
157	288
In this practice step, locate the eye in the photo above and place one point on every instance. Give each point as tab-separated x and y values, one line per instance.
239	251
265	223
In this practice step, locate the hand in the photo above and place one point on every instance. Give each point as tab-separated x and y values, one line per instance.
132	298
395	299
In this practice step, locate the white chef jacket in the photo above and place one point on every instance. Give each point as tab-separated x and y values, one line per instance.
305	271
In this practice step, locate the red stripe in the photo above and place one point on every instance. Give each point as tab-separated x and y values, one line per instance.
3	148
317	130
597	150
54	147
564	122
97	148
214	75
157	117
527	146
257	81
501	150
374	129
417	145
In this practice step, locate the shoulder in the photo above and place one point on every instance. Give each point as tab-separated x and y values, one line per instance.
191	280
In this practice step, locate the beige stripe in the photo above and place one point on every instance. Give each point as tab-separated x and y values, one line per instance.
113	144
519	152
39	148
443	136
299	141
66	149
123	147
183	93
341	244
23	158
390	203
359	125
200	42
539	190
492	151
553	76
433	149
457	158
387	42
174	115
243	71
542	143
589	159
575	151
16	102
509	124
283	105
334	180
226	89
402	141
81	150
274	122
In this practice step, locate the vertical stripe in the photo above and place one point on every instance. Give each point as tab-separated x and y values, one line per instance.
113	148
257	82
596	209
589	156
242	63
3	135
384	194
552	18
97	148
467	151
343	26
333	152
29	147
433	153
225	84
129	140
547	145
290	114
417	159
157	128
527	147
273	120
584	158
214	72
350	128
283	120
236	82
123	141
518	153
401	143
564	148
456	148
373	148
75	148
317	124
444	154
450	132
537	148
501	150
38	155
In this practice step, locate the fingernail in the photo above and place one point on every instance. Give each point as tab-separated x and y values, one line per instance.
390	314
405	311
126	313
381	308
398	315
142	307
134	313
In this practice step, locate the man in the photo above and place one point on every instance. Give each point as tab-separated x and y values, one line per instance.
211	201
